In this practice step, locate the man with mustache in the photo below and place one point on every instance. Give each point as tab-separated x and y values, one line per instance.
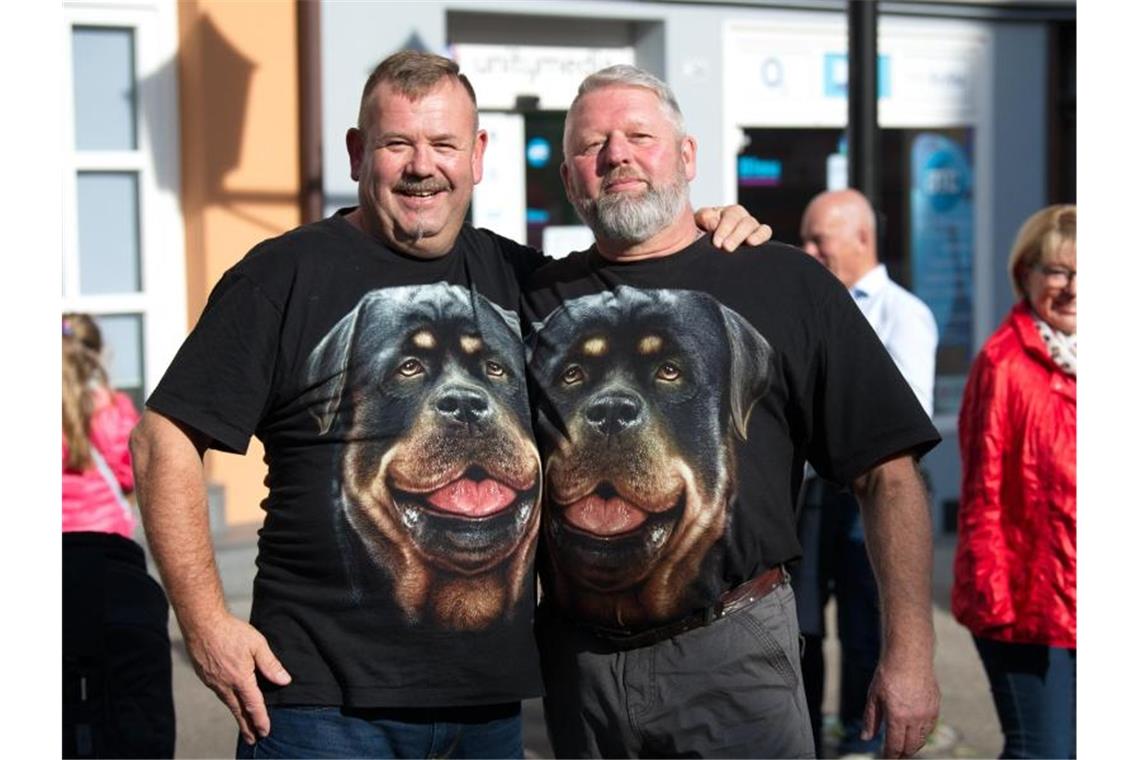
339	676
716	673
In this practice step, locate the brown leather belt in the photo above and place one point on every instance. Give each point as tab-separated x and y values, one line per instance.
729	602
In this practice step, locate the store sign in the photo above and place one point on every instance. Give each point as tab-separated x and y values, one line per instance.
501	74
835	75
796	74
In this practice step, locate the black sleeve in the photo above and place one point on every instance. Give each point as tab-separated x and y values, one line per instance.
523	259
220	379
864	411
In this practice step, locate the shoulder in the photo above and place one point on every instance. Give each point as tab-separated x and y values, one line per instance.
774	268
785	264
1002	346
1000	359
793	276
277	259
904	300
490	251
302	256
113	410
489	238
572	266
309	240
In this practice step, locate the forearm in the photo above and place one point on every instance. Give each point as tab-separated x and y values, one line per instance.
171	492
898	530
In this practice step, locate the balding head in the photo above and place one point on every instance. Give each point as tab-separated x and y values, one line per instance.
838	228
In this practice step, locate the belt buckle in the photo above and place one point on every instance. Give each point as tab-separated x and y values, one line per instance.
712	613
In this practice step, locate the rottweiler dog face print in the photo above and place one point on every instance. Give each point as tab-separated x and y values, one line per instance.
642	396
424	387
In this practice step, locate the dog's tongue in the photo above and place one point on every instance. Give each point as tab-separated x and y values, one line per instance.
472	499
604	517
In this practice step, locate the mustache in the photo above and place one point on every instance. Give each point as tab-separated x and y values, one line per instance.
622	173
425	185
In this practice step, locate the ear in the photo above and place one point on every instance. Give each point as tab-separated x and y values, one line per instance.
512	319
530	340
477	155
750	363
354	141
326	371
564	173
689	156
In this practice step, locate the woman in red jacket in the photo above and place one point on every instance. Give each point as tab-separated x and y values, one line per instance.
1015	569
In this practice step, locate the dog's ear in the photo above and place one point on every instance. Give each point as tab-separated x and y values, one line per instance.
750	362
326	370
482	304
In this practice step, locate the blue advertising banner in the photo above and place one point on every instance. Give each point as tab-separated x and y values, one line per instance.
942	252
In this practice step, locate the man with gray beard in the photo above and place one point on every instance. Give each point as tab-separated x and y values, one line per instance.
625	218
677	396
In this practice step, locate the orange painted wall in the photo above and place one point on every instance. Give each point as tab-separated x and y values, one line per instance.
240	167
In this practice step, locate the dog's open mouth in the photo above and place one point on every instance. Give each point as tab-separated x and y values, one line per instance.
468	497
469	521
604	513
609	540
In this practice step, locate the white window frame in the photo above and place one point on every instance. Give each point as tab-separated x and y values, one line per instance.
161	299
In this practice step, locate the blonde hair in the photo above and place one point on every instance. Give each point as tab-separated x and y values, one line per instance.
1039	239
82	372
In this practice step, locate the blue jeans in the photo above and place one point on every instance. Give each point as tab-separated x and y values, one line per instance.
488	731
1035	692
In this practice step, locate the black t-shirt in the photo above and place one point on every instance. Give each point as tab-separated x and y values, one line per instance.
395	564
677	400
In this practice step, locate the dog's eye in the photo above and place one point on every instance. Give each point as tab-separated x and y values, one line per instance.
669	372
411	368
573	374
494	369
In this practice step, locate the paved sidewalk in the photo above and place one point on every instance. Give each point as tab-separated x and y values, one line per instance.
968	728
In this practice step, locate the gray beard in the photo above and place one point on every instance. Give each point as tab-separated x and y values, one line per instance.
626	218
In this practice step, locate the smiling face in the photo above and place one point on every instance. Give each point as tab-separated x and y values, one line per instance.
417	162
1051	288
627	169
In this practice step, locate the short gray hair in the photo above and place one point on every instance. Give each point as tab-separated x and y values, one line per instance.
624	75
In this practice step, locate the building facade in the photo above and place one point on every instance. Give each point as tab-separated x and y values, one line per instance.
203	127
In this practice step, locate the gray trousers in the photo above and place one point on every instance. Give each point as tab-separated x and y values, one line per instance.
729	689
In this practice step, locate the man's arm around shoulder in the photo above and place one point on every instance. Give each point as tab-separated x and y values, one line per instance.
171	489
904	693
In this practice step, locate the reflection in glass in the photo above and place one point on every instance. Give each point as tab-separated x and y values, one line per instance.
926	236
108	209
123	352
103	62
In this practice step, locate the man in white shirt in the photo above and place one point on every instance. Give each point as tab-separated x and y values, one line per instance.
839	230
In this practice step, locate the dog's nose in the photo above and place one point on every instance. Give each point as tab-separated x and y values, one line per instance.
466	406
614	412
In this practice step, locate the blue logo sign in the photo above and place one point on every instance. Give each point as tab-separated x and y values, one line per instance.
758	172
944	179
537	152
835	75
